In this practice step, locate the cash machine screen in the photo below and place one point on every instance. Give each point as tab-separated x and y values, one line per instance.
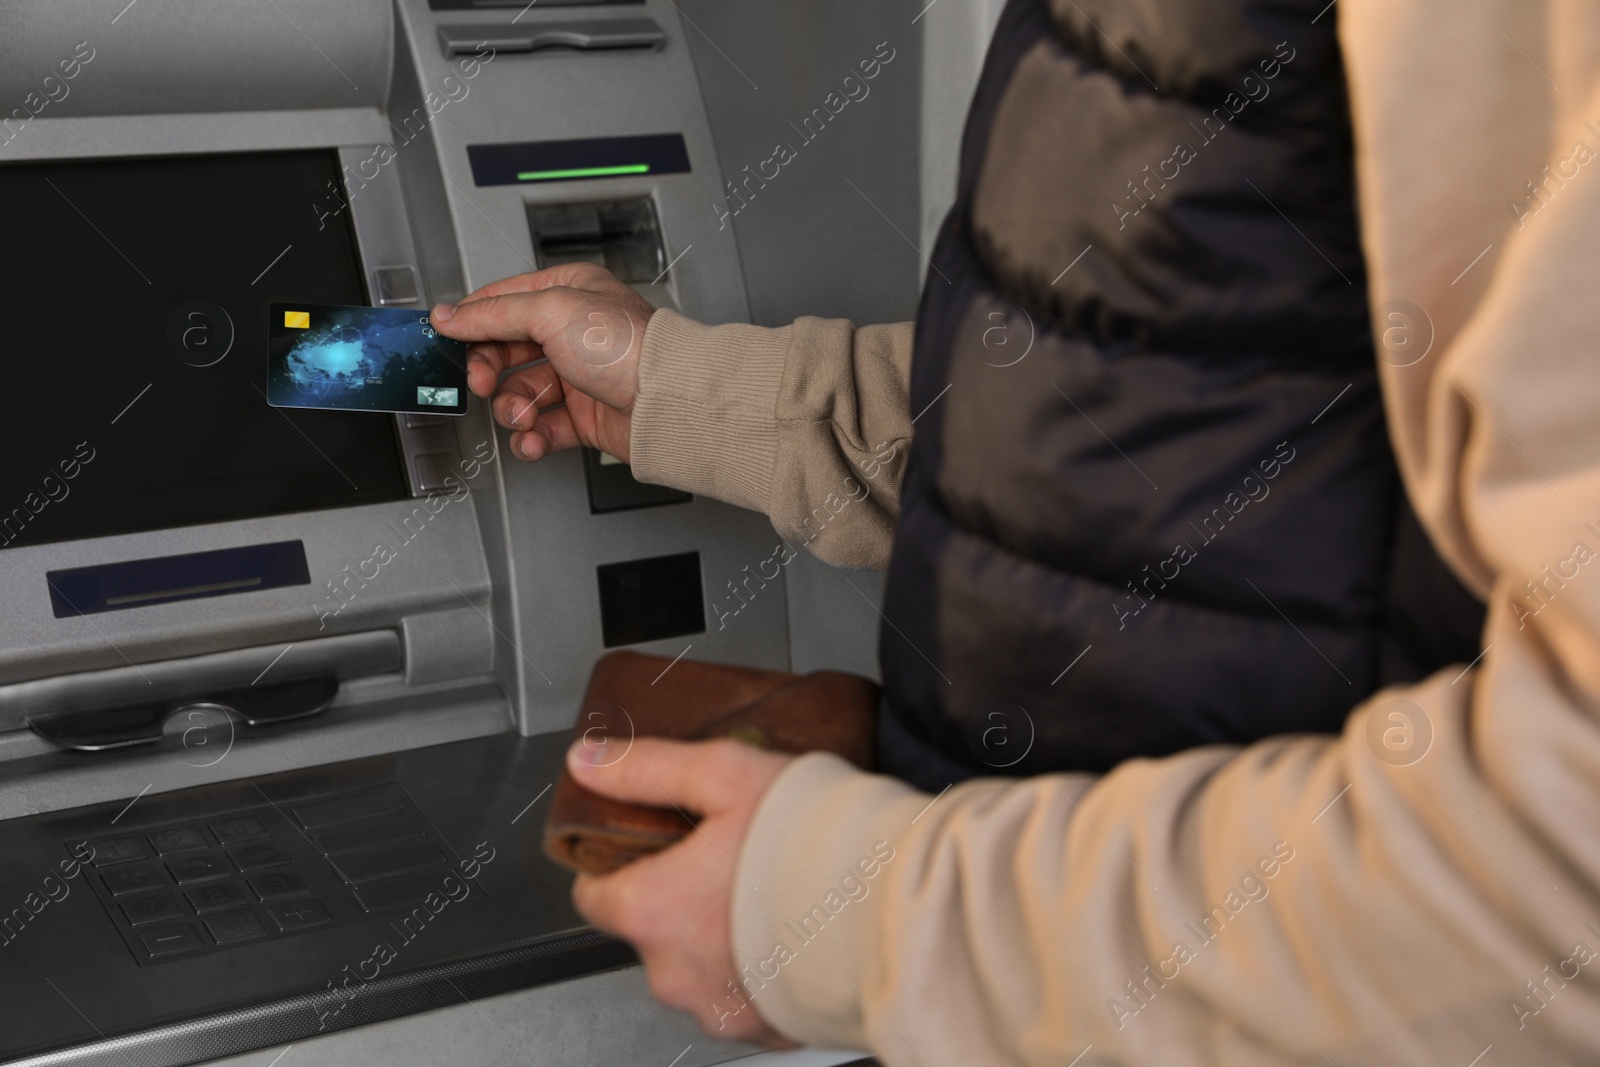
133	354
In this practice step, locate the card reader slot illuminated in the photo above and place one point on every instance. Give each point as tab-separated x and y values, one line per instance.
533	162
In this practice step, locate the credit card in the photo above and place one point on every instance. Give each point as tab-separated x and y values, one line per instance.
363	359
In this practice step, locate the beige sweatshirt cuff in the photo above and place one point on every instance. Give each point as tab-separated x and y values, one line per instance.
807	921
705	419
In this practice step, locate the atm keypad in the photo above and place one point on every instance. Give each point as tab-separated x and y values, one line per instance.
232	879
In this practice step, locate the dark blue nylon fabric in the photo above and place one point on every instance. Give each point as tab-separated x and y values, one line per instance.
1150	502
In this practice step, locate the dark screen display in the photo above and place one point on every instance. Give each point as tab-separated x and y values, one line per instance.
135	350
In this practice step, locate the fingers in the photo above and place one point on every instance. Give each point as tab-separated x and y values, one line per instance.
607	902
703	776
552	432
642	901
488	360
524	393
651	771
515	316
576	275
638	905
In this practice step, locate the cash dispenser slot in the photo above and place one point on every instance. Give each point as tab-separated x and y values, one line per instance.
259	686
623	236
144	723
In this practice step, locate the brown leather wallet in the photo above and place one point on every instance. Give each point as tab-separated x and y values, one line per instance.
632	695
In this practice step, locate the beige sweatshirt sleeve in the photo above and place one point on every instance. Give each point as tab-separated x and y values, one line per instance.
1425	887
807	424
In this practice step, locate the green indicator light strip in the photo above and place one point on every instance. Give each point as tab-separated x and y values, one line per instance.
582	172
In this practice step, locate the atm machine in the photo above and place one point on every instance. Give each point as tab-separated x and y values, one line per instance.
283	693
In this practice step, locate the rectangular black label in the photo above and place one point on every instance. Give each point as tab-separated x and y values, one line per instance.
142	582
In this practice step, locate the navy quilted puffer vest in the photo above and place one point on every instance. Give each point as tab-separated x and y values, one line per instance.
1150	502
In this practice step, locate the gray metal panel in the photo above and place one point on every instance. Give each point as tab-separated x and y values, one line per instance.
375	204
810	243
542	542
377	208
602	1019
833	618
439	567
956	38
175	135
558	96
440	644
173	56
239	131
370	716
558	545
346	656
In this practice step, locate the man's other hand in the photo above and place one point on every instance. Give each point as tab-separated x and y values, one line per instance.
570	336
676	906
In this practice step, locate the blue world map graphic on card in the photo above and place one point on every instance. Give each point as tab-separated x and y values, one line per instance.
362	359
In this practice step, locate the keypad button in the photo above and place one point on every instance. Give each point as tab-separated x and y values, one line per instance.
240	926
196	868
180	840
297	915
258	857
373	864
392	892
243	828
151	908
117	850
219	896
346	809
125	880
166	940
277	885
394	830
